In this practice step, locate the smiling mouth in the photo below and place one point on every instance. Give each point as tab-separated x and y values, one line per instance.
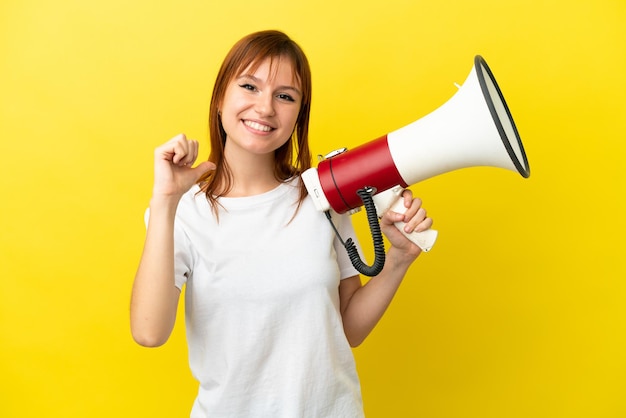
257	126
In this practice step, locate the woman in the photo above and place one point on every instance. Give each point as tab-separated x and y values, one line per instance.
272	302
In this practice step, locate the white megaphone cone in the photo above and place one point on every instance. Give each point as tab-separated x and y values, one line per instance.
473	128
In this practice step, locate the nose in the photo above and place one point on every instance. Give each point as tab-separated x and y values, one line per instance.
264	105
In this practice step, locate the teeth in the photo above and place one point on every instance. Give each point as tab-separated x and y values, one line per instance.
257	126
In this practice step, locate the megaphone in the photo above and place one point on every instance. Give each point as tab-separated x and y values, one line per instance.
473	128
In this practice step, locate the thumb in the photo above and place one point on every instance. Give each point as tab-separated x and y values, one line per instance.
203	167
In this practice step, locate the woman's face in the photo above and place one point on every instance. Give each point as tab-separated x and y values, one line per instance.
260	108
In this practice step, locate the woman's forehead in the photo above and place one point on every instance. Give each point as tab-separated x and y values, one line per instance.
273	65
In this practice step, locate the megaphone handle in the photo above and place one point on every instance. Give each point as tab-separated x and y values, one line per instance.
424	239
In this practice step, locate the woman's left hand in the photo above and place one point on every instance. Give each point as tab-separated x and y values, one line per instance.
415	219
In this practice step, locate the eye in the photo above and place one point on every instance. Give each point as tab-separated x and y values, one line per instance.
286	97
248	87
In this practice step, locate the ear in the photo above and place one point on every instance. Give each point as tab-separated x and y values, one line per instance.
218	105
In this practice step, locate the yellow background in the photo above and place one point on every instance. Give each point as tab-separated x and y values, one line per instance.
519	310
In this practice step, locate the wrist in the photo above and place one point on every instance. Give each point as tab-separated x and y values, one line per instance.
164	202
402	259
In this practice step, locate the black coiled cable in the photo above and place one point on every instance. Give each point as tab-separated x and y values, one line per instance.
377	237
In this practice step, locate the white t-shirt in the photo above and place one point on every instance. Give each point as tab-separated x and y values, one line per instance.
264	330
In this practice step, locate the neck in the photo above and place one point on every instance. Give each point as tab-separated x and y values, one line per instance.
252	175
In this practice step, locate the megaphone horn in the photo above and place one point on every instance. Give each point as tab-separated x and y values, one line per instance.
473	128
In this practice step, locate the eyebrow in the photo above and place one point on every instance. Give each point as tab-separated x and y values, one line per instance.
258	80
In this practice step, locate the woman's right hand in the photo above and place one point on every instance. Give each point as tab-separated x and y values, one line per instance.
173	172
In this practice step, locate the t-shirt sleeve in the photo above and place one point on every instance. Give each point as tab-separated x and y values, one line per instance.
182	253
343	223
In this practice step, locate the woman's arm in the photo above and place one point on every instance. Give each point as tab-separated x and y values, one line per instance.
154	299
363	306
